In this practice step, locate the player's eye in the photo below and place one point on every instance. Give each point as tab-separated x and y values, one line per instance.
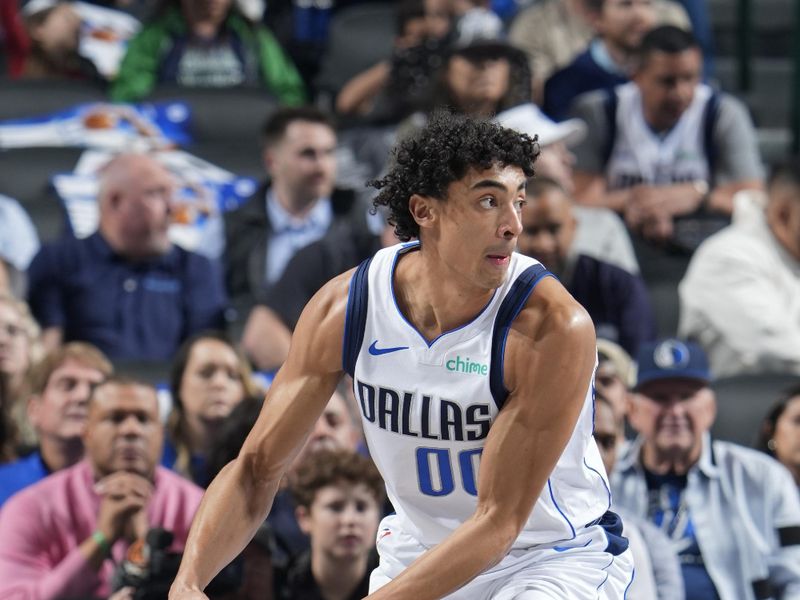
518	204
487	202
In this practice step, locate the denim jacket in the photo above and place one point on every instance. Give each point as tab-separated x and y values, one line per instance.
746	513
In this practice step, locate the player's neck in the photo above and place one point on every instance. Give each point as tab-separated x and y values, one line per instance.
432	298
338	579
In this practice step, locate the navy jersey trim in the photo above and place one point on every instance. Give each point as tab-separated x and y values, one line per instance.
612	524
355	319
512	304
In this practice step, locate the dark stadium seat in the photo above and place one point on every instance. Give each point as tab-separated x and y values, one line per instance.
21	99
25	174
222	114
360	36
743	401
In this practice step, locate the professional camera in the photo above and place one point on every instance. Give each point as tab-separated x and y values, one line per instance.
150	569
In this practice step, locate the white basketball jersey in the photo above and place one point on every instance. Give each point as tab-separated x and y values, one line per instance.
641	156
428	407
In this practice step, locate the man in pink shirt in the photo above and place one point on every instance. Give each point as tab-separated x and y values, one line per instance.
62	536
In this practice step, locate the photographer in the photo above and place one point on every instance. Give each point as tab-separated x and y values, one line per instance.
59	534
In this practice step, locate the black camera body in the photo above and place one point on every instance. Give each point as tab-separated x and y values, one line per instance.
149	568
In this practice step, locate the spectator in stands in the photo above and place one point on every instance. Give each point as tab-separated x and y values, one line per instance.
394	88
127	289
658	573
616	300
732	513
297	206
209	379
339	496
780	431
740	298
338	428
610	57
20	349
63	535
600	232
554	32
54	31
614	377
673	163
481	78
19	243
206	43
56	410
279	307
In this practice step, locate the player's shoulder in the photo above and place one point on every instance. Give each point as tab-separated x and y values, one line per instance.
550	309
330	302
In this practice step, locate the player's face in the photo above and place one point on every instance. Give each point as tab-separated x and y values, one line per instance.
304	162
672	416
479	225
667	83
548	228
211	386
342	521
606	434
787	435
123	432
60	412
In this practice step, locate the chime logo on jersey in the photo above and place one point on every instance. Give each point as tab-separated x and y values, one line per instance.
423	415
465	365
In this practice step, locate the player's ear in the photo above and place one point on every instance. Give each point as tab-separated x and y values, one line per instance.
421	209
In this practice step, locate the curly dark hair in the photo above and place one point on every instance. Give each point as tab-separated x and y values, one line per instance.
330	467
443	152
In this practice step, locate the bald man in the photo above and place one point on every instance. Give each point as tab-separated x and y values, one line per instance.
126	288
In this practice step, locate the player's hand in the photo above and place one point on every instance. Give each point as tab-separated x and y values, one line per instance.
124	496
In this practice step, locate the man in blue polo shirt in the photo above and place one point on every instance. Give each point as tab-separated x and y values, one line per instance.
127	289
61	385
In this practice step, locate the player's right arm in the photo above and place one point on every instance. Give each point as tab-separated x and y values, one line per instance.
240	497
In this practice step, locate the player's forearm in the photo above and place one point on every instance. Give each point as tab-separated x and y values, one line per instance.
234	506
475	546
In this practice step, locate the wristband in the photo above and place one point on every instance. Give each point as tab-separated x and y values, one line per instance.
101	540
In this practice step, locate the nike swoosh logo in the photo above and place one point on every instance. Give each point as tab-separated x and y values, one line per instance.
375	351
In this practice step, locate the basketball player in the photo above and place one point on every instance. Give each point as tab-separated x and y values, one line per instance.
473	372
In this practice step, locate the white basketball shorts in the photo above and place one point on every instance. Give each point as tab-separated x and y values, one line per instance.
596	564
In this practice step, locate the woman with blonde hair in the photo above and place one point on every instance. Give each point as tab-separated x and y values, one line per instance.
20	349
209	378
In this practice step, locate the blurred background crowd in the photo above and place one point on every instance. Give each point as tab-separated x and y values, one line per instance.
179	177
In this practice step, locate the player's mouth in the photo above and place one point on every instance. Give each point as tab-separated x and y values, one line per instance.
498	260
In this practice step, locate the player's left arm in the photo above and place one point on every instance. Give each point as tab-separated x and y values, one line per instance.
549	359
